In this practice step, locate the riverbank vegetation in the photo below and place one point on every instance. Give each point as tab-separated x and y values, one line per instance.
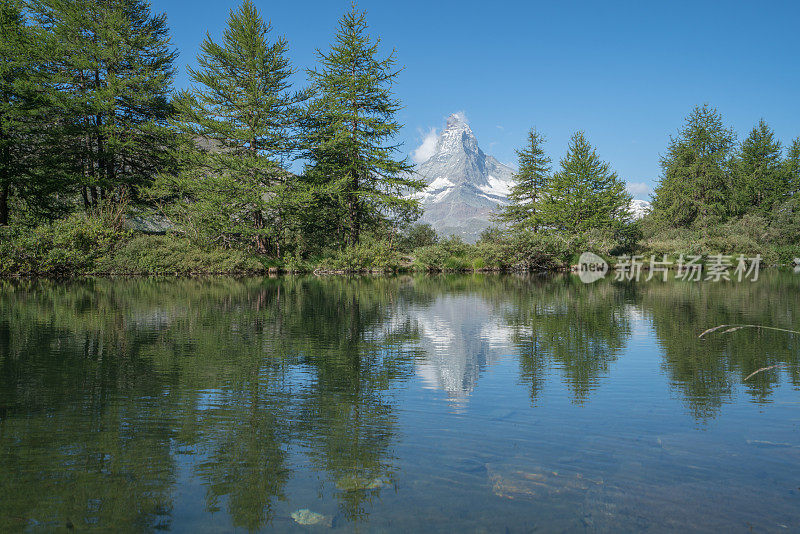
106	169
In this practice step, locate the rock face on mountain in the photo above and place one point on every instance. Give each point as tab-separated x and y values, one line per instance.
464	184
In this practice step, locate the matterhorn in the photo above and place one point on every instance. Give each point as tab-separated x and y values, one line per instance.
464	184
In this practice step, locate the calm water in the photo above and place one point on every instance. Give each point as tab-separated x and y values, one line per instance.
449	403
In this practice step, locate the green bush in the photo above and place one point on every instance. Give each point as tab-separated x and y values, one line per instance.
366	256
171	254
73	245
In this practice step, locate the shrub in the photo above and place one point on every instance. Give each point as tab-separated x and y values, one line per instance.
171	254
366	256
73	245
418	235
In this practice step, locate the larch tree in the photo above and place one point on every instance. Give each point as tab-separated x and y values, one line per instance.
239	117
585	193
696	172
32	167
354	167
532	178
792	167
110	79
761	180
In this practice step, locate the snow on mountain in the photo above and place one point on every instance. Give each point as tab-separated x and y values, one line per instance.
464	184
639	208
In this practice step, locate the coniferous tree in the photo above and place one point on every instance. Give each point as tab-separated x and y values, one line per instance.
792	168
532	179
13	52
786	217
239	114
761	178
359	180
696	172
31	169
111	79
585	193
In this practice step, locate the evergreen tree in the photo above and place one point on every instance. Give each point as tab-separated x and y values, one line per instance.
111	67
696	172
792	168
30	169
761	179
531	180
359	180
584	193
13	52
239	114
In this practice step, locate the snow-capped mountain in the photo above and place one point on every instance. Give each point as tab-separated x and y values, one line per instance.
464	184
639	208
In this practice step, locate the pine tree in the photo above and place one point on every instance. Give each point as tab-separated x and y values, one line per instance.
111	66
360	181
696	172
240	113
531	180
584	194
761	178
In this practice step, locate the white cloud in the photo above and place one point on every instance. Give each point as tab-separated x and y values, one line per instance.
639	189
426	149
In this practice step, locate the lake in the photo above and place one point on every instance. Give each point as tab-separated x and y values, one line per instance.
410	403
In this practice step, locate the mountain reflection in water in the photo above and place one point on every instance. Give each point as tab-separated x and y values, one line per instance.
398	403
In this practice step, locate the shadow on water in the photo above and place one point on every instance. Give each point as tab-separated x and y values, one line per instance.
151	404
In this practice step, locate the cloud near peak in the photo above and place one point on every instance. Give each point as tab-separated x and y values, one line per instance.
427	148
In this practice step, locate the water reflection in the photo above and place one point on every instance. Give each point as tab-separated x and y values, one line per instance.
279	394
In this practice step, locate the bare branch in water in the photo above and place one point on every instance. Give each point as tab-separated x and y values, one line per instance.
751	375
734	328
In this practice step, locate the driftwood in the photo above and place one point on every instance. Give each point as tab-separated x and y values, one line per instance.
733	328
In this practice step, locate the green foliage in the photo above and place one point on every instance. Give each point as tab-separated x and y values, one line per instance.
696	172
792	165
169	254
749	235
367	255
73	245
532	180
237	119
358	180
417	236
450	254
32	167
584	193
109	80
762	180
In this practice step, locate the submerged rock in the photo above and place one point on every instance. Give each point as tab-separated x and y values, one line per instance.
514	482
355	483
307	517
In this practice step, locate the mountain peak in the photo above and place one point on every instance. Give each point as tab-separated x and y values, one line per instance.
457	121
464	184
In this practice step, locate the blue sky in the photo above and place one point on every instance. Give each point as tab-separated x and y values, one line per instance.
627	73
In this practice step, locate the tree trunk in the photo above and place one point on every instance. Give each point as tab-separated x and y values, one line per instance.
355	223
